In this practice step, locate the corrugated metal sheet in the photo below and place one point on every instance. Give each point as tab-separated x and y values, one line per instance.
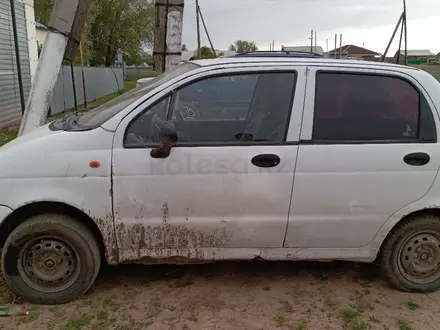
10	107
99	82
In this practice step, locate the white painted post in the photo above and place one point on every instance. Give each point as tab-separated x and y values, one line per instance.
31	35
174	38
46	75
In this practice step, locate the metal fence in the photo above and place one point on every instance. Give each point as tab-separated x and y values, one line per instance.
98	82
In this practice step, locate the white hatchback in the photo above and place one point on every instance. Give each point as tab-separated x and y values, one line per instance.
236	158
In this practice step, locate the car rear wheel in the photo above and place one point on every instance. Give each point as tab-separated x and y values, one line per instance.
410	256
50	259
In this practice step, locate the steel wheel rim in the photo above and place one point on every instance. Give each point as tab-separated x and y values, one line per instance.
419	257
49	264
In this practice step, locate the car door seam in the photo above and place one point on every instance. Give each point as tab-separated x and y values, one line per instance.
297	155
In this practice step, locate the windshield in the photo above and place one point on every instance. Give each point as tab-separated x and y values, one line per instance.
101	114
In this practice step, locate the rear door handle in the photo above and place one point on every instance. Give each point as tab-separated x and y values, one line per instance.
417	159
266	160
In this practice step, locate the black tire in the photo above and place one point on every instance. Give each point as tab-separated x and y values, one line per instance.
50	245
402	257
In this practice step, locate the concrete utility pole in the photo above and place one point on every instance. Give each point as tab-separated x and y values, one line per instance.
336	45
168	34
65	28
311	41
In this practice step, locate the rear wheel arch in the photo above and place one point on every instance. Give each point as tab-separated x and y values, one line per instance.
408	217
20	215
409	255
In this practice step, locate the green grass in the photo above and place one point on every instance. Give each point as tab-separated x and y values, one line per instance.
351	314
139	73
403	325
6	136
102	316
279	320
77	323
302	325
413	305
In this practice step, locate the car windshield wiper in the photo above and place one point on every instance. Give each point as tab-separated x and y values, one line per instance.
70	121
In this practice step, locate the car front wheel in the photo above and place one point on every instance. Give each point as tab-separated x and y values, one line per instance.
410	256
50	259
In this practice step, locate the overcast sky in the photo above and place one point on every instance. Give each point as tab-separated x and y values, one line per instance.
288	22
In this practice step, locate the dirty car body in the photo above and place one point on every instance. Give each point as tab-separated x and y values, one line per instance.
283	159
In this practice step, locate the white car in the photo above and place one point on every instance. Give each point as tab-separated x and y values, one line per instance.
317	159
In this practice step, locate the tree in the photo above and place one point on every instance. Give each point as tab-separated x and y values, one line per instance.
243	46
184	48
205	53
126	26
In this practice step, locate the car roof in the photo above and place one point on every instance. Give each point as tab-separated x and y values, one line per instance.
299	61
282	53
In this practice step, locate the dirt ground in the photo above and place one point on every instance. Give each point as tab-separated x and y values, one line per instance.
237	295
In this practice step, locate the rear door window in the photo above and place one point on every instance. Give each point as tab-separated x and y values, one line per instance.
363	107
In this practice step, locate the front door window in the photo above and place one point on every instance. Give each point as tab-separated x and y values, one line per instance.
238	108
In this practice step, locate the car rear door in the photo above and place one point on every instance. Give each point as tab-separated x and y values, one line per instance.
368	148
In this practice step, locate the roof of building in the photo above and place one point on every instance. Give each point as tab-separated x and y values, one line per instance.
417	52
351	50
40	26
315	49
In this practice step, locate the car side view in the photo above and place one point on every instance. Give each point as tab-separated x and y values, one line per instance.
241	158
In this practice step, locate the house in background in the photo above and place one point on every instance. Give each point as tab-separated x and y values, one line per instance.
352	52
314	49
416	56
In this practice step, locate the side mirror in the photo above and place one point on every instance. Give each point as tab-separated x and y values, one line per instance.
168	138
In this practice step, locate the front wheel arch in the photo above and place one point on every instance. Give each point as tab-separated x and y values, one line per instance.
20	215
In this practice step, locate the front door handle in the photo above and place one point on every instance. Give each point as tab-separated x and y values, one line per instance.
417	159
266	160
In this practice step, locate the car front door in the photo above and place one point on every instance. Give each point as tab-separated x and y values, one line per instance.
228	181
368	148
